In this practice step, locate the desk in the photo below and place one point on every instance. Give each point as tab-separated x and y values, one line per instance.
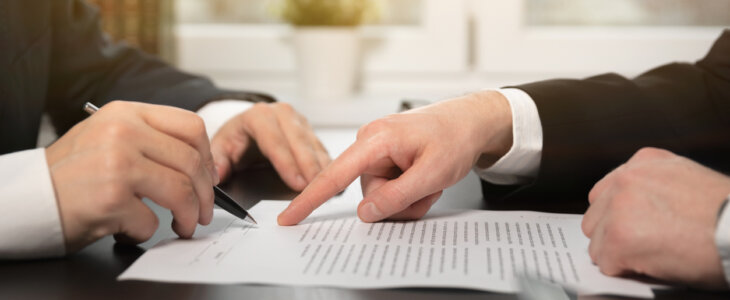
91	273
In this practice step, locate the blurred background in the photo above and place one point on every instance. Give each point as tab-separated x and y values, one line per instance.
421	49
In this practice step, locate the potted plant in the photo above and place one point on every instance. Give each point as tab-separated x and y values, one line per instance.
327	44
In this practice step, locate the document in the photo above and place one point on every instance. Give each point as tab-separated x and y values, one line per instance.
472	249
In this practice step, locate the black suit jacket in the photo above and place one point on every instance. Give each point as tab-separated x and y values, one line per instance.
54	57
592	126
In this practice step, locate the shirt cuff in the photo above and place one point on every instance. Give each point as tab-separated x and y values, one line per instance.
522	162
30	224
215	114
722	239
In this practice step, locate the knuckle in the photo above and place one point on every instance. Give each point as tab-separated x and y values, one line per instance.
197	125
208	197
312	163
331	179
194	163
155	224
584	227
645	152
261	107
619	237
304	122
607	267
361	131
284	107
117	104
396	196
187	190
651	152
593	194
113	196
181	190
149	230
117	162
419	212
373	127
620	201
593	251
117	131
625	179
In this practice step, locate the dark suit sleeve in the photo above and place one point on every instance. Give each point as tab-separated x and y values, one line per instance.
86	66
593	125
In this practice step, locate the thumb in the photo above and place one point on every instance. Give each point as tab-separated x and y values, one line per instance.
398	194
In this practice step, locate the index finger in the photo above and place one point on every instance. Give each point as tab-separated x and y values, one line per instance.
332	180
183	125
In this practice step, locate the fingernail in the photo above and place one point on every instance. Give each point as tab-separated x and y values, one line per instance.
371	213
300	181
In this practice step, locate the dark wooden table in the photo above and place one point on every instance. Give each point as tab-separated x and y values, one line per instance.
91	273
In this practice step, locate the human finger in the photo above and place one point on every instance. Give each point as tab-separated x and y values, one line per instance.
602	185
228	146
599	197
323	156
265	129
418	209
180	156
298	138
137	224
369	183
604	253
332	180
170	189
596	212
596	242
396	195
179	123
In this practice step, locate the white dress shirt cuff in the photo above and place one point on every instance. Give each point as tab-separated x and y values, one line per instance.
521	164
722	239
30	223
217	113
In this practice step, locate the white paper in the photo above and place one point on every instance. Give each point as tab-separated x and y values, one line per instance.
473	249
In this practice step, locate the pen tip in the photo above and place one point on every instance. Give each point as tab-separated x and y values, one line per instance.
250	219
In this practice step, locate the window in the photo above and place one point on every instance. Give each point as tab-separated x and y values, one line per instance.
627	13
401	12
580	37
409	36
457	44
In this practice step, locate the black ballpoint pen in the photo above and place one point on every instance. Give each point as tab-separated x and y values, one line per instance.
221	198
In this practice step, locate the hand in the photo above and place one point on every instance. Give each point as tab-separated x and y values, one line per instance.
281	134
407	159
105	165
655	215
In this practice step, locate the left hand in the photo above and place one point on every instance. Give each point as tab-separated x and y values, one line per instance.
656	215
282	135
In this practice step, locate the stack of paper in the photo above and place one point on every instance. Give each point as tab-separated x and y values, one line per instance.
483	250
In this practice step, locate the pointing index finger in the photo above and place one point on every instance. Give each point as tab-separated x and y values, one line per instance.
332	180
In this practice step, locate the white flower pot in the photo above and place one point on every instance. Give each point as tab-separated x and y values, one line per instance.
328	61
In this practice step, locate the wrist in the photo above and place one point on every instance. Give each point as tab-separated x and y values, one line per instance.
493	131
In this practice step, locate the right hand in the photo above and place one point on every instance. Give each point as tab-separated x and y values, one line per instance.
407	159
105	165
